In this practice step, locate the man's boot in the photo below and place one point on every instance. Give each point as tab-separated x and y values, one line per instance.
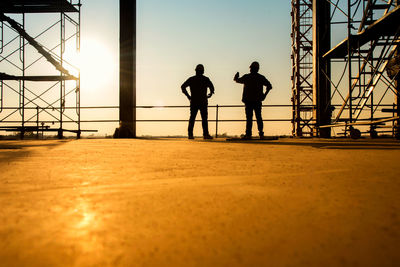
207	136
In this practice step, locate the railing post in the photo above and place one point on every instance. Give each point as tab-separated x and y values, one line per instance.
1	37
37	122
216	122
1	96
394	122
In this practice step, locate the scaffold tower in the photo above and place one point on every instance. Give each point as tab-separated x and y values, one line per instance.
40	82
302	60
362	68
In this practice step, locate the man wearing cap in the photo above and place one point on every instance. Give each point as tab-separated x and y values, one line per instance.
198	97
253	95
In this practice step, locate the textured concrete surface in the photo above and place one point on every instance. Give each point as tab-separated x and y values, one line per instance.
194	203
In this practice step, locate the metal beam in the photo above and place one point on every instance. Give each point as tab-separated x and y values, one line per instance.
386	26
127	81
37	6
321	67
41	78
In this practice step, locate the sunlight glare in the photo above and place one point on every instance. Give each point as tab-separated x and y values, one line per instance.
97	65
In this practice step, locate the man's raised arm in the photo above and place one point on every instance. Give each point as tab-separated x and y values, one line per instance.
238	79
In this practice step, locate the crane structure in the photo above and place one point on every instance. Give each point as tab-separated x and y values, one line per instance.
355	67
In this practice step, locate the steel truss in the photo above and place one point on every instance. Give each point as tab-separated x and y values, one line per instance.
39	41
302	69
365	67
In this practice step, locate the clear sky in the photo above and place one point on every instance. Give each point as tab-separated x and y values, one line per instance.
172	38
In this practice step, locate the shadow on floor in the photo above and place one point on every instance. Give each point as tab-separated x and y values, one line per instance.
331	144
13	149
370	144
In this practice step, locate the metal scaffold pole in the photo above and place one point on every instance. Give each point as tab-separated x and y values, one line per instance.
349	61
62	83
22	88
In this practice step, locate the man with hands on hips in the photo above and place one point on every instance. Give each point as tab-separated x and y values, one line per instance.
198	97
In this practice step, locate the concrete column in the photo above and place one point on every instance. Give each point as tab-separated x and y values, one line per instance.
127	69
321	67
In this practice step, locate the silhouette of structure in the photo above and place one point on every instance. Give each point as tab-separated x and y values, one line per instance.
302	67
40	87
350	84
127	76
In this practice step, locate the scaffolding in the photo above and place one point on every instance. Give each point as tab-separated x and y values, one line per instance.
39	79
364	64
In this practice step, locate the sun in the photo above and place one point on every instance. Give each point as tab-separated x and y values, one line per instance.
97	64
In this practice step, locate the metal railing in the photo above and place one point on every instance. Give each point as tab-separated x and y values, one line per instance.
217	119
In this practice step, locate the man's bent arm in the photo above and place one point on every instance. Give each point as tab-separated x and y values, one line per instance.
267	84
212	89
184	91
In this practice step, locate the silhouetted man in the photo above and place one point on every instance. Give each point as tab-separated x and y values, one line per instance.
198	97
253	95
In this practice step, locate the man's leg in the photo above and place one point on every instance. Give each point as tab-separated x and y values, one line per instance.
249	119
192	118
204	120
260	124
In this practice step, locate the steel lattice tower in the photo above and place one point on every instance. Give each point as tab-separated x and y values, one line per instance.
302	68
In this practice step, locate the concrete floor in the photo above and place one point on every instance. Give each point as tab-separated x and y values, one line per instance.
291	202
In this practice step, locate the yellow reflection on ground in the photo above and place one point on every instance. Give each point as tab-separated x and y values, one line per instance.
87	219
84	217
84	224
